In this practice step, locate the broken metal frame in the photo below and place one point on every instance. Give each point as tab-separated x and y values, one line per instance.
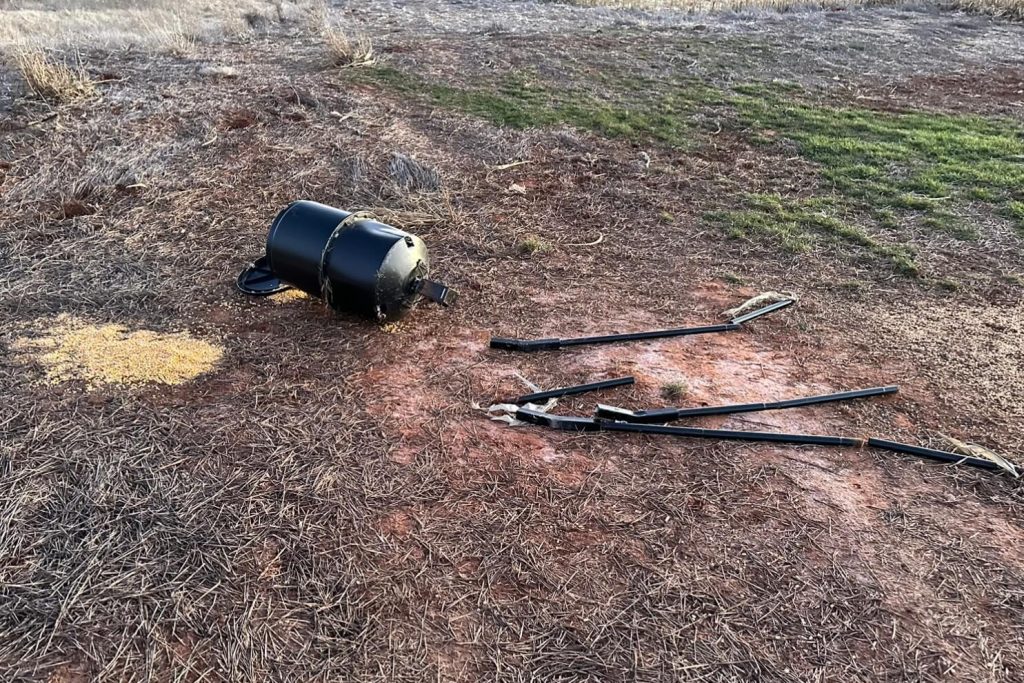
510	344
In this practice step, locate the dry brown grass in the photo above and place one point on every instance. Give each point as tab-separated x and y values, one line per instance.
159	25
1011	9
52	80
721	5
968	351
345	50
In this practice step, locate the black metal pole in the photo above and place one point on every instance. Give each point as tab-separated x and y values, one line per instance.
653	334
771	308
732	435
510	344
577	389
548	344
668	414
584	424
933	454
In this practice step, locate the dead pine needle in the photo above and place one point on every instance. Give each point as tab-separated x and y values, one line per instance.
592	243
511	164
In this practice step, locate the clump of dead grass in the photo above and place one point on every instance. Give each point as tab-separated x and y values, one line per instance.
532	244
345	50
173	37
411	175
1010	9
719	5
675	390
72	349
759	301
162	25
54	80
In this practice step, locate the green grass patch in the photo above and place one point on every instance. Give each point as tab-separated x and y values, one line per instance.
1015	210
800	225
521	100
885	173
918	163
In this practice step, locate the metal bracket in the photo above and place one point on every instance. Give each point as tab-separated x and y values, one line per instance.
437	292
259	280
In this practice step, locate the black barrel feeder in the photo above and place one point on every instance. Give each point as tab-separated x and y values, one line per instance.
354	263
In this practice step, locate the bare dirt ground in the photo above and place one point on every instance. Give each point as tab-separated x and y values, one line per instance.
331	503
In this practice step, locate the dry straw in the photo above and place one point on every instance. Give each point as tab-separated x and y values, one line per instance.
53	80
347	51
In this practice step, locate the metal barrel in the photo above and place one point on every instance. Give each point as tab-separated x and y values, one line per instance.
296	242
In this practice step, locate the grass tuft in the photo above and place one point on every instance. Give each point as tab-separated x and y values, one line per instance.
532	244
54	81
1009	9
410	174
733	279
348	51
673	391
